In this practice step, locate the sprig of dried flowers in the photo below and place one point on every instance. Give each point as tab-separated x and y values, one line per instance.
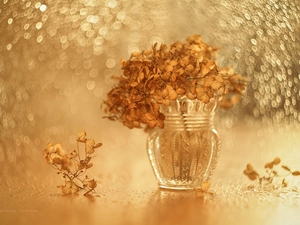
74	164
271	173
156	77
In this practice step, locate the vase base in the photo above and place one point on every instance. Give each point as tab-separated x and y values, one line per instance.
177	187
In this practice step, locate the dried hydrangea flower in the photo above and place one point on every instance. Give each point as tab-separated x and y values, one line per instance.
158	76
53	152
271	173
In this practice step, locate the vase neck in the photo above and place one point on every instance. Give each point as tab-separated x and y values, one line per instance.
188	122
189	115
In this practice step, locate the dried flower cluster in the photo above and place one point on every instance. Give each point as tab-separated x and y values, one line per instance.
271	173
158	76
73	164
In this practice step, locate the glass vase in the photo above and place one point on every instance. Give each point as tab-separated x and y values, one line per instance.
185	152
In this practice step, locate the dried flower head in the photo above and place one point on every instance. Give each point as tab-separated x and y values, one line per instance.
250	172
156	77
73	165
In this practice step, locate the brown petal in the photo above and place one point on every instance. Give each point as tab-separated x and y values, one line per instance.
208	81
150	116
172	92
169	68
134	84
216	85
135	54
191	96
190	68
98	145
152	123
180	91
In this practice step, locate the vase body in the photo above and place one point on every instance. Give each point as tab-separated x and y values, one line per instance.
185	152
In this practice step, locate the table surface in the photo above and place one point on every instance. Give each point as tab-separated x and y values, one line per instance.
128	193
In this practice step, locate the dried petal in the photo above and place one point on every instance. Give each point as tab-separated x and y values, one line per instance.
172	92
180	91
98	145
296	173
135	54
208	81
184	61
57	160
134	84
269	165
89	147
89	165
205	186
169	68
81	136
152	123
286	168
189	68
92	184
276	161
191	96
216	85
149	116
252	176
70	188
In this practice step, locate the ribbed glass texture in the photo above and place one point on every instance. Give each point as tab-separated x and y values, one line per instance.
184	154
